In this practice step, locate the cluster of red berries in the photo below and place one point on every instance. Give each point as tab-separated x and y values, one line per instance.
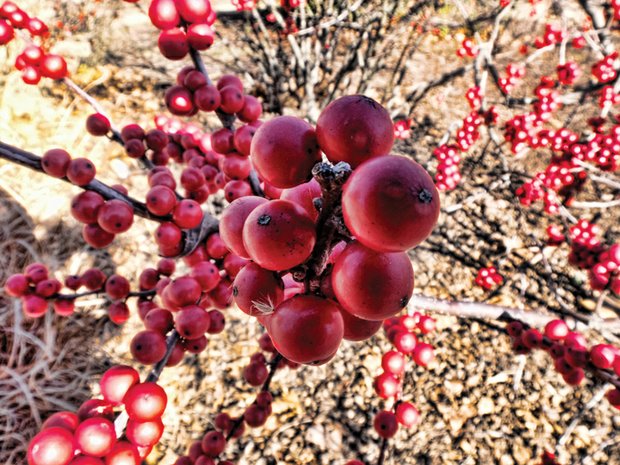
213	443
448	174
553	35
561	178
514	74
587	252
468	133
468	48
184	25
37	289
185	303
244	5
569	350
279	235
488	278
474	97
33	62
605	70
608	98
193	93
568	73
89	436
388	385
402	129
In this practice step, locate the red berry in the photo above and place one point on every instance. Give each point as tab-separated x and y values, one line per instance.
407	414
54	67
96	408
123	453
173	44
200	36
229	80
393	362
144	433
117	287
386	385
187	214
405	342
207	98
16	285
385	424
164	14
148	347
34	306
184	291
81	171
7	33
251	111
279	235
284	150
66	420
85	206
206	274
192	322
93	279
257	291
98	124
213	443
96	237
132	131
95	436
116	381
179	101
217	322
354	129
159	319
372	285
215	247
52	446
255	373
145	402
304	196
603	356
160	200
556	330
115	216
390	204
357	329
55	162
423	354
306	329
194	11
232	99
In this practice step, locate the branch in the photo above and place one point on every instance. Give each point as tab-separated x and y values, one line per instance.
273	366
478	310
192	237
228	121
32	161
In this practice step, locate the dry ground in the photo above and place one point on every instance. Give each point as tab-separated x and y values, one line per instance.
473	410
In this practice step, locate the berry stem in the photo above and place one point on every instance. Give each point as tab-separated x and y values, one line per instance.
382	451
331	179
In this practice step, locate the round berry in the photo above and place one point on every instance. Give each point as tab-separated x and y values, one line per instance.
354	129
284	150
390	204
